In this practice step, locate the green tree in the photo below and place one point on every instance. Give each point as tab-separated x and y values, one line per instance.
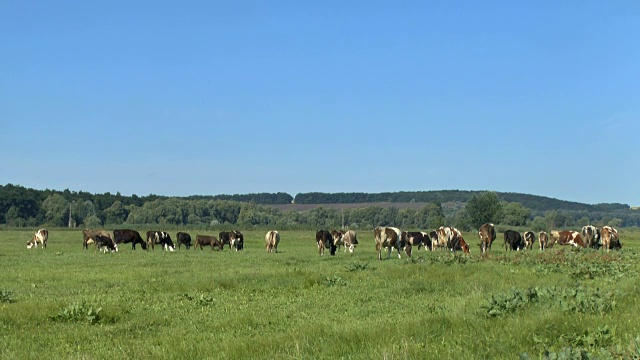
514	214
484	208
56	210
539	224
116	213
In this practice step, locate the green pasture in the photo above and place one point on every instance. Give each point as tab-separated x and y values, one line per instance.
64	302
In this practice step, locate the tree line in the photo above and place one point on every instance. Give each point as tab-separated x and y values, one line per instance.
22	207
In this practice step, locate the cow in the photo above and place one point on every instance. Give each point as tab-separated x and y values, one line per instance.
161	238
105	243
610	238
591	236
41	236
487	234
338	238
416	238
88	236
272	239
389	238
529	239
237	240
513	240
208	240
444	238
457	242
566	237
543	239
324	239
129	236
433	237
350	241
183	238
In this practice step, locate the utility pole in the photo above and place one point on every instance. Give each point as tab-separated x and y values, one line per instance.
343	218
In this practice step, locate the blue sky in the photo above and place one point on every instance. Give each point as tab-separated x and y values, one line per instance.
234	97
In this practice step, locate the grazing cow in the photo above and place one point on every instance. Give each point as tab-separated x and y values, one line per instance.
129	236
237	240
105	243
324	239
416	238
208	240
160	238
41	236
272	239
529	239
88	236
487	234
566	237
591	236
457	242
513	240
350	241
543	239
338	238
183	238
444	238
610	238
389	238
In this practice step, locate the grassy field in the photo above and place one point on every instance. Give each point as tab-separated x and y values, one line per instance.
65	302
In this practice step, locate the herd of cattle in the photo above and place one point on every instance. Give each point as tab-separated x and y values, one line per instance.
387	238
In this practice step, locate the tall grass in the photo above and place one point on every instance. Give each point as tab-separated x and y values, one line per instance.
296	304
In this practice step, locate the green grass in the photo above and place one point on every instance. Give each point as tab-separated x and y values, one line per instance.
296	304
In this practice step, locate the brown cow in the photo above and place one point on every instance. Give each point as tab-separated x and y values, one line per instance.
208	240
610	238
88	236
543	239
566	237
445	235
324	239
487	234
272	239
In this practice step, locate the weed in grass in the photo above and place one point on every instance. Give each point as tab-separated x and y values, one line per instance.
79	313
574	299
334	280
357	266
201	299
7	296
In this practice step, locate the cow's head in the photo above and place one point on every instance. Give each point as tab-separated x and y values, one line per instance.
31	243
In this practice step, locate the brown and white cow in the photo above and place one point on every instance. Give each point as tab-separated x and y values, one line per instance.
338	238
591	236
457	242
388	238
324	239
543	239
487	234
40	237
610	238
445	235
566	237
272	240
529	239
88	236
350	239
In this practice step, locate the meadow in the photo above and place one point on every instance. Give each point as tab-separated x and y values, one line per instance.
64	302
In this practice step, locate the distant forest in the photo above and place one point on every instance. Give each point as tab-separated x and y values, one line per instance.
24	207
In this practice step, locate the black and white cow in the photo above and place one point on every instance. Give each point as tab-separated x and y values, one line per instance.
105	243
513	240
159	238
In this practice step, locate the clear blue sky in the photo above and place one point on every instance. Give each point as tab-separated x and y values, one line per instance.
234	97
